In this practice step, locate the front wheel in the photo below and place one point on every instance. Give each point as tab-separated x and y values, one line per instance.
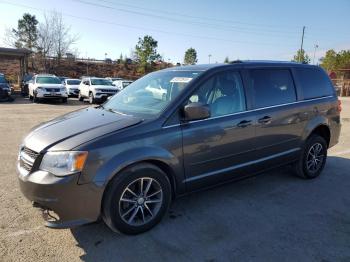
80	97
64	100
312	158
136	199
91	98
35	98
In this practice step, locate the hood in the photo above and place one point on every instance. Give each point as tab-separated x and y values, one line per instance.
73	129
50	85
104	87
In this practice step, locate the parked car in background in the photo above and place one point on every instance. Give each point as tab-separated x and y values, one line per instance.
72	86
62	78
121	84
114	78
156	89
96	89
5	89
127	160
25	84
45	86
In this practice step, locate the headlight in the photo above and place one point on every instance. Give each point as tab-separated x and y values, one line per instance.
39	89
64	163
63	89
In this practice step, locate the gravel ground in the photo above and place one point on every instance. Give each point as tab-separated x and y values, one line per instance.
270	217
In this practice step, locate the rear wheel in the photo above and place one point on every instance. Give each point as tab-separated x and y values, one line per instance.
313	158
137	199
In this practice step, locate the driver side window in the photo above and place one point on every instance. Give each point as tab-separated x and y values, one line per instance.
223	93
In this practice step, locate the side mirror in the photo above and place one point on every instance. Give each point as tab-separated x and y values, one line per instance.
196	111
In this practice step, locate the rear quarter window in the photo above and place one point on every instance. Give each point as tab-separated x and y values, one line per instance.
314	83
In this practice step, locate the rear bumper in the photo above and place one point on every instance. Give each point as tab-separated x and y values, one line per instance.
74	204
335	129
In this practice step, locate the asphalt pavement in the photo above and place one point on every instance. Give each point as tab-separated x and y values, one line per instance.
271	217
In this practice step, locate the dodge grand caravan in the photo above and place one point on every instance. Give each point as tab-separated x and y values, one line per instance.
125	160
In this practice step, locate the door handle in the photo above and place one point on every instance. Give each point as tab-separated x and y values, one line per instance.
265	120
244	123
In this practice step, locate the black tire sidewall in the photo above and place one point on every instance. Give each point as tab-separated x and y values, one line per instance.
309	143
91	98
115	189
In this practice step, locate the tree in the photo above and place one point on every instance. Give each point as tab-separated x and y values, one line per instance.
146	51
46	38
190	56
301	57
26	34
333	60
62	35
227	60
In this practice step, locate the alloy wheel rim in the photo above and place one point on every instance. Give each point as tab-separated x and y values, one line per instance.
140	201
315	157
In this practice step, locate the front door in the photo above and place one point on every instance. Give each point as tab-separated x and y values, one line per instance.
218	148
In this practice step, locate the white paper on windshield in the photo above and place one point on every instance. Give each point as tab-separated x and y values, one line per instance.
181	79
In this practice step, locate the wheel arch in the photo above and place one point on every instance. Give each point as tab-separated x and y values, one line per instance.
322	130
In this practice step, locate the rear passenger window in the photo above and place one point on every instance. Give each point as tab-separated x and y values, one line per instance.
272	87
314	83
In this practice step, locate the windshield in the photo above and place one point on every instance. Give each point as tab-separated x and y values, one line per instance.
73	82
48	80
151	94
101	81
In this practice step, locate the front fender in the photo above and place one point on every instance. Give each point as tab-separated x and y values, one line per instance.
115	164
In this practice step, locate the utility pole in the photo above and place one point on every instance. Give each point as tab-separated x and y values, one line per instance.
209	58
313	60
302	43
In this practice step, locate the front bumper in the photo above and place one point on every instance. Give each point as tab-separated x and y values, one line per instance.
44	94
102	96
74	204
73	92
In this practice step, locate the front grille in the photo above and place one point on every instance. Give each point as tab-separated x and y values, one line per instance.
27	158
52	89
30	152
108	90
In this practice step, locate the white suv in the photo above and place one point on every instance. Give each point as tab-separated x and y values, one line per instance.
46	87
96	89
72	86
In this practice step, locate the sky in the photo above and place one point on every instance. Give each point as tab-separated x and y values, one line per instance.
238	29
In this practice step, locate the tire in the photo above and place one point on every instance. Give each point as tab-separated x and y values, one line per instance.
307	166
81	98
30	97
64	100
35	99
136	215
91	98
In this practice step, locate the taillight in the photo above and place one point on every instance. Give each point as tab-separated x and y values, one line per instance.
339	106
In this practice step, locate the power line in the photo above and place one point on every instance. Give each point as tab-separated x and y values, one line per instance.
197	17
243	30
143	28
